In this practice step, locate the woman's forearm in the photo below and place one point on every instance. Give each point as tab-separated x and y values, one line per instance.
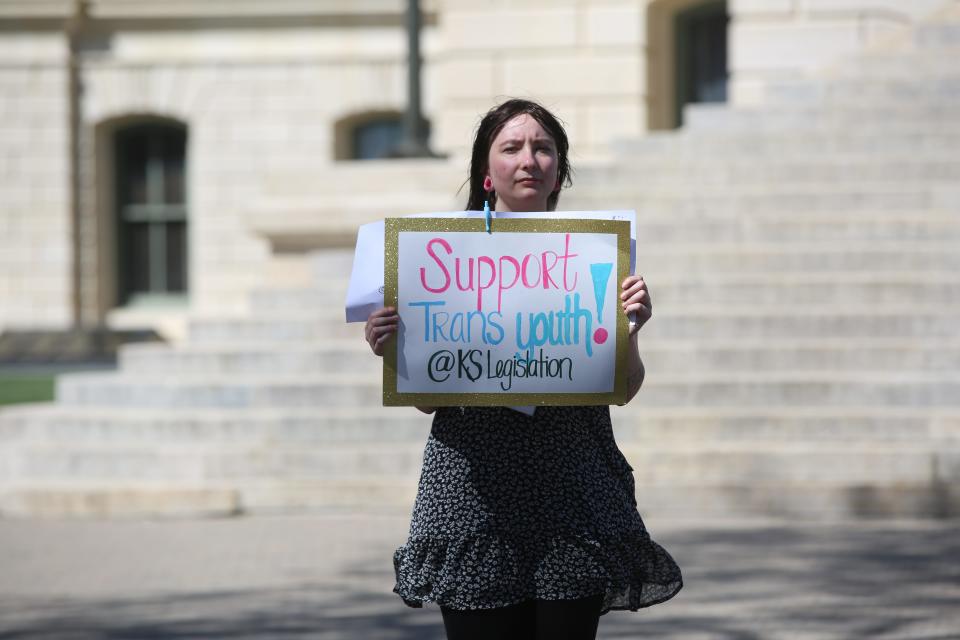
635	370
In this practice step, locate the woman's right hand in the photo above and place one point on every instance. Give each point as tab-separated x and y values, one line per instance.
381	324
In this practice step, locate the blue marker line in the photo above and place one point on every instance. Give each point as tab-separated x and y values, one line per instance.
601	275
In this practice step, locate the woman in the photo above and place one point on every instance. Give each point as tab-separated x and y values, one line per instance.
526	526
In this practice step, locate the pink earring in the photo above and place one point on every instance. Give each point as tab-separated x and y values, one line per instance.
487	184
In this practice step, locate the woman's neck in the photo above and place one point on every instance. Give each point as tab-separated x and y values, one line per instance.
503	207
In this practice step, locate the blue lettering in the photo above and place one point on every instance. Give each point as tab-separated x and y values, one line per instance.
555	327
426	315
496	325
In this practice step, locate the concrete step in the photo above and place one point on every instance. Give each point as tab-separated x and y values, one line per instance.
841	464
329	258
343	356
718	323
736	464
282	328
942	37
869	117
233	392
677	320
224	466
332	282
663	356
288	270
712	171
790	388
845	388
696	427
207	430
396	495
920	63
844	91
375	494
225	447
720	259
117	500
329	300
37	465
703	221
836	465
728	201
805	501
785	144
330	273
818	288
210	428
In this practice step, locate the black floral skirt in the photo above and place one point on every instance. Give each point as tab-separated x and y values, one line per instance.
513	508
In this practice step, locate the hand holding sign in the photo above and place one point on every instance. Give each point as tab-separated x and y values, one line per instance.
381	324
636	302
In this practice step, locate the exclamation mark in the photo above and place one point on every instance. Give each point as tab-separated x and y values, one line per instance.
601	275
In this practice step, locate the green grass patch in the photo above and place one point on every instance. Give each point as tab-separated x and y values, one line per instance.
15	389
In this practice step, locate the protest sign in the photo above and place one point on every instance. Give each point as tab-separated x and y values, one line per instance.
365	290
526	315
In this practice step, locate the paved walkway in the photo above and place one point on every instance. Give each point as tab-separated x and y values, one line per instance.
329	577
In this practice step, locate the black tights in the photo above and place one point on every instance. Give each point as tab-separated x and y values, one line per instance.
530	620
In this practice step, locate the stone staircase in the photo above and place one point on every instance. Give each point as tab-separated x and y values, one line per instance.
803	359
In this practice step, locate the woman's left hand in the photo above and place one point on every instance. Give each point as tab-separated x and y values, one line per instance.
636	298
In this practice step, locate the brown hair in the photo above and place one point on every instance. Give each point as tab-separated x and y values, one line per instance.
490	126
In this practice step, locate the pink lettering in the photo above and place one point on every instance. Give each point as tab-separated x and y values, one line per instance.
446	274
469	286
468	272
484	260
566	262
516	276
547	280
526	262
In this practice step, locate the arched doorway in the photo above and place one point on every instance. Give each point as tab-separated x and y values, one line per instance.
686	57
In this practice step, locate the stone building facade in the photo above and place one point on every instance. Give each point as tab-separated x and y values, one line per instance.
148	148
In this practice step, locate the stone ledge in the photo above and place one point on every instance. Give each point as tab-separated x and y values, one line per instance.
70	346
934	501
114	502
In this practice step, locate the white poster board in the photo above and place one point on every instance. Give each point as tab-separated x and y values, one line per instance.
528	314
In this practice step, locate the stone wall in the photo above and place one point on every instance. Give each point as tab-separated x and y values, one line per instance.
584	60
256	102
34	187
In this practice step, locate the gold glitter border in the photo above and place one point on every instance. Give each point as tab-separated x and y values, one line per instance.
392	229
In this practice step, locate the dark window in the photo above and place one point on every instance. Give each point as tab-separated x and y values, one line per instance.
376	138
151	210
701	55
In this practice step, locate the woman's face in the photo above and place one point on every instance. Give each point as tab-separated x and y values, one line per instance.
522	163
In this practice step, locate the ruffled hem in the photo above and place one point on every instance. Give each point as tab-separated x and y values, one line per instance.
487	571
